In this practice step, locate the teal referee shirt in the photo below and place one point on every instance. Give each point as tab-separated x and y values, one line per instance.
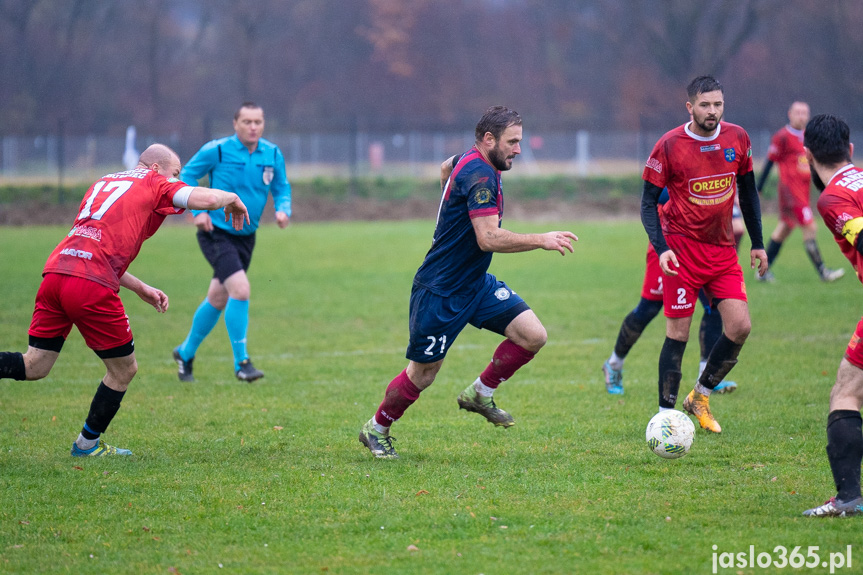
232	168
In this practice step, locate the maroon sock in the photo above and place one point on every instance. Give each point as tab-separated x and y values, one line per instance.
400	394
508	357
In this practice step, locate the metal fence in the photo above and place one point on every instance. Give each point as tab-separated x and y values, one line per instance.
69	159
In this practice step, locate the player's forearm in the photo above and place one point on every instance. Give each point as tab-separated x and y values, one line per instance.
650	217
209	199
446	169
764	173
750	207
131	283
282	200
499	240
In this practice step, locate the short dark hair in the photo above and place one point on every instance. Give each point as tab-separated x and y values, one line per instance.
250	105
496	120
828	138
702	85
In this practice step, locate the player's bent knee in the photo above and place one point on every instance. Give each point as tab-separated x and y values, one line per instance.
535	340
739	332
542	339
422	375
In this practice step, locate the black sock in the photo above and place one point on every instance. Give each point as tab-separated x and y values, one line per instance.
670	359
630	331
12	366
709	331
104	407
773	248
722	358
814	255
845	451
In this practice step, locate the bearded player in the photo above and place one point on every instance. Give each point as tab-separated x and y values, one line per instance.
701	163
452	287
828	149
649	307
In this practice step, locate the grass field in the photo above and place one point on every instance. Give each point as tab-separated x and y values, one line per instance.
270	478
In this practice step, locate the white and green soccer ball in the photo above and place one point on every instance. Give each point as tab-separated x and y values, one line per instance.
670	434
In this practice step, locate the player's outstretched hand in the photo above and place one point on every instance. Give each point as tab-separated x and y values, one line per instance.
237	213
668	262
761	256
558	241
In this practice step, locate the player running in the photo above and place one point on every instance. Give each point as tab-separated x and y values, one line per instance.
452	287
786	150
86	270
701	163
829	149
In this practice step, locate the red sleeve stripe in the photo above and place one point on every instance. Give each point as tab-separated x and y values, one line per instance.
463	161
483	212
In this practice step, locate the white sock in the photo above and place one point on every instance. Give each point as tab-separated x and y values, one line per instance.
702	390
482	388
381	429
701	365
85	444
615	361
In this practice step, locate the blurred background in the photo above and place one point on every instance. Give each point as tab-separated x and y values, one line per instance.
392	87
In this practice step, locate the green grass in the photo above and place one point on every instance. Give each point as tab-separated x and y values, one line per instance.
270	477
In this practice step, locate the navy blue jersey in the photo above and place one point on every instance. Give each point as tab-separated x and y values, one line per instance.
455	264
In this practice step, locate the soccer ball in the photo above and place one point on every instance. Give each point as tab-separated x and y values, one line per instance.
670	434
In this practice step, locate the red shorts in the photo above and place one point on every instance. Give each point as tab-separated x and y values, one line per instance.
854	351
714	268
793	215
651	289
95	309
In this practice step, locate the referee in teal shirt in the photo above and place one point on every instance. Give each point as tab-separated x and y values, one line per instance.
252	168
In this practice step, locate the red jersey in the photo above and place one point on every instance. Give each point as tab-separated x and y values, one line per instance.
786	151
842	200
117	214
701	176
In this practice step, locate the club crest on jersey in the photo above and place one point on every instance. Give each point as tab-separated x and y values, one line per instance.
482	196
730	154
711	190
501	294
268	175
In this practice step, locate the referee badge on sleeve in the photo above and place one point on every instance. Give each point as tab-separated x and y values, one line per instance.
268	175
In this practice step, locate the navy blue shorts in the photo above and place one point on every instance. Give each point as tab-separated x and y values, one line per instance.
435	321
227	253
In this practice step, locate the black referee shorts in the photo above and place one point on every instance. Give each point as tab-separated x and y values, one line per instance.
227	253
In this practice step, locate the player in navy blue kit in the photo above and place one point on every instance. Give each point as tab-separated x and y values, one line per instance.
453	287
